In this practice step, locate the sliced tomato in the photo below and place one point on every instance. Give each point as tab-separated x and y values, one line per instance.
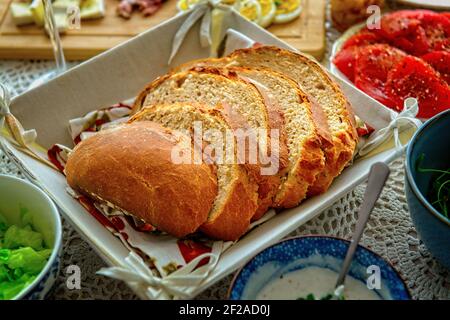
443	45
374	62
440	61
377	92
362	38
371	70
446	14
346	58
417	14
416	31
413	77
437	30
398	24
415	42
345	62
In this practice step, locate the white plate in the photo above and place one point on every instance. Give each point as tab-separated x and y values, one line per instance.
432	4
119	74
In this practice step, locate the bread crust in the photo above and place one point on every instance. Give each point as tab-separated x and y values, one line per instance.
303	172
141	178
234	224
308	167
233	218
268	184
339	151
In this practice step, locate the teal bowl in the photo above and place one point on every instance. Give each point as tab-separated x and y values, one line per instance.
433	228
17	195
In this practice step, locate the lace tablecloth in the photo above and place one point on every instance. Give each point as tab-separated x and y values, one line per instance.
390	232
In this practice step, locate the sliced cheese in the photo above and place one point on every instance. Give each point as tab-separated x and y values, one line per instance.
37	10
61	21
92	9
65	4
21	13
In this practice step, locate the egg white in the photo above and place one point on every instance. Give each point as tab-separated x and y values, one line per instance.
256	5
267	20
288	17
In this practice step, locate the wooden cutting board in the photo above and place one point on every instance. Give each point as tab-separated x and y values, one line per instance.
307	33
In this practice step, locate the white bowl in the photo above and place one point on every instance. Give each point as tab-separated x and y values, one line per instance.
16	194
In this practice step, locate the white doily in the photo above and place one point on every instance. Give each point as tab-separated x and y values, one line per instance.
390	232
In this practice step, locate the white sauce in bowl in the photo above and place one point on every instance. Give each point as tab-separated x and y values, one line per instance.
313	280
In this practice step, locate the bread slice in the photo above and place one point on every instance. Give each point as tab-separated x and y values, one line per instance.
306	159
242	102
236	201
332	113
129	167
315	81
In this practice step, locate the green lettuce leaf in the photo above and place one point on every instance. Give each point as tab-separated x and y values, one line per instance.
27	259
45	253
4	256
4	274
9	290
16	237
22	255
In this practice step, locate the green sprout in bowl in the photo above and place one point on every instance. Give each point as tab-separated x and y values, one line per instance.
439	193
328	296
22	256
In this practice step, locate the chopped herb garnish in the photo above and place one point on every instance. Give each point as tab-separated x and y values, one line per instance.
439	193
310	297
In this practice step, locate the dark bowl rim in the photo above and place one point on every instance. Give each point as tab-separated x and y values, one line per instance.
408	293
409	170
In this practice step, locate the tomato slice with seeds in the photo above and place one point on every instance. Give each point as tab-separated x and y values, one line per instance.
440	61
442	45
374	62
346	58
415	42
413	77
437	30
378	63
345	62
371	70
376	92
398	24
362	38
416	31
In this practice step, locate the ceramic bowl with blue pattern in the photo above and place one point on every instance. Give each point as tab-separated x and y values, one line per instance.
315	251
17	195
432	141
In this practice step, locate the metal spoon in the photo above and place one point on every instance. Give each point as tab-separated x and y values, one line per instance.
379	172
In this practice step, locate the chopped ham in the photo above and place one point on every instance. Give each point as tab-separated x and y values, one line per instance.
147	7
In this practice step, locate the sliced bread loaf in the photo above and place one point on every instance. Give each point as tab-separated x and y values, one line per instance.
130	168
236	201
245	106
306	159
306	132
315	81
